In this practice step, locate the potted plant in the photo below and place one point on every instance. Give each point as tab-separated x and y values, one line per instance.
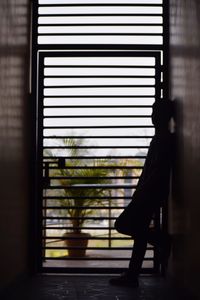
81	181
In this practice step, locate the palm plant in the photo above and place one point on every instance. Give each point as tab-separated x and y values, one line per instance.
82	184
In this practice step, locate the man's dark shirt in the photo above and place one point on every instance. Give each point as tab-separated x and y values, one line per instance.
155	178
152	189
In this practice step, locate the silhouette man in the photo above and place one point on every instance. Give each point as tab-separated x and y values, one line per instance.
151	193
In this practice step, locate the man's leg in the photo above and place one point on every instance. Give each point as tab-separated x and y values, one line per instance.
138	253
162	241
130	278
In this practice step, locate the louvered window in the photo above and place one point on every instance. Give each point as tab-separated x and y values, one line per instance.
98	67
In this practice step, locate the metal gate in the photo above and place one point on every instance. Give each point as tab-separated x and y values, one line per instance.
99	70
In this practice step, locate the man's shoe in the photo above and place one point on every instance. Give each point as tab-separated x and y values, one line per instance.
124	280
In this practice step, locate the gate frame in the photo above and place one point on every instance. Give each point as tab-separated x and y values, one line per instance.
36	203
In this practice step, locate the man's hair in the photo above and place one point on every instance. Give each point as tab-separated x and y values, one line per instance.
164	108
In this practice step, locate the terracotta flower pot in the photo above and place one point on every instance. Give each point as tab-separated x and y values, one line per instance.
77	240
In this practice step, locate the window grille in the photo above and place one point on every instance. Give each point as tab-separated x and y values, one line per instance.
100	22
99	70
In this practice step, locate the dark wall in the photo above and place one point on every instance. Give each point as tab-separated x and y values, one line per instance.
185	87
14	90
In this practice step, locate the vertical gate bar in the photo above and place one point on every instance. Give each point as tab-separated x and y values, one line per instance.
110	221
40	156
158	77
156	222
166	49
34	202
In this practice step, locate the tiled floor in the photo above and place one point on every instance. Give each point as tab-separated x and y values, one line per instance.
92	287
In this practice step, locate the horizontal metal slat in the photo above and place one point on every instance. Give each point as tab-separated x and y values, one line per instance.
95	4
79	218
98	137
93	248
91	258
98	127
90	187
83	207
57	158
48	227
106	53
102	137
102	4
138	47
97	106
88	248
98	116
97	167
53	15
100	34
81	167
89	197
85	238
61	136
92	177
144	68
101	76
99	229
102	96
97	147
101	25
97	86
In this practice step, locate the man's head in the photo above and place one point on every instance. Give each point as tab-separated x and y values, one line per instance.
162	113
